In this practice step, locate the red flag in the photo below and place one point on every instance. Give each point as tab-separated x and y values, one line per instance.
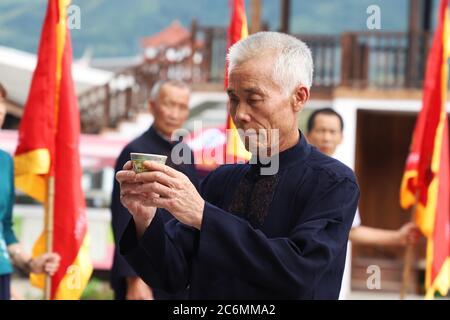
48	147
237	30
426	177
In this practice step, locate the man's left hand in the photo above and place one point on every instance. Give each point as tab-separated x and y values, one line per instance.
176	193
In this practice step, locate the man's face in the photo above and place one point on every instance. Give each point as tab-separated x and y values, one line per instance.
2	111
171	110
326	133
257	103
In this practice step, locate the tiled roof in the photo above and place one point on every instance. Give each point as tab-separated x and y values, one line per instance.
173	35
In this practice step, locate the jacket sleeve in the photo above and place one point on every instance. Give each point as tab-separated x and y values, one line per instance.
163	256
120	218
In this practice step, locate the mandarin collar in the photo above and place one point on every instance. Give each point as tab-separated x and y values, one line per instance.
295	154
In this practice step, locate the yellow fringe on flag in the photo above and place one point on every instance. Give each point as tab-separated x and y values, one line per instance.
77	275
30	169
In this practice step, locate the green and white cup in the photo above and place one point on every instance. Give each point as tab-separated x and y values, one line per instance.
138	160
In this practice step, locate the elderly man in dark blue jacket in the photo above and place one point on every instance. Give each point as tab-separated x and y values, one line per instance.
169	105
274	228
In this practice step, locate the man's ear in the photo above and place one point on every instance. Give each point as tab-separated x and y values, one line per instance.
341	138
151	106
299	98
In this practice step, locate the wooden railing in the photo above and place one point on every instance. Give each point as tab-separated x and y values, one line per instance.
120	99
325	50
353	59
386	60
383	59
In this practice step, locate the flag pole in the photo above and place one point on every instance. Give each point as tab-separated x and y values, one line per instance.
49	232
408	258
407	262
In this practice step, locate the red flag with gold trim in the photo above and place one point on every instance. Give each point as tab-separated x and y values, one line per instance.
426	177
48	147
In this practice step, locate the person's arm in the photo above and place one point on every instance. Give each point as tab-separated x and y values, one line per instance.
162	255
407	234
120	217
137	289
168	266
47	262
20	258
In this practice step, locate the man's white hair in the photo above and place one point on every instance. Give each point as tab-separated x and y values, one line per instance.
293	64
156	89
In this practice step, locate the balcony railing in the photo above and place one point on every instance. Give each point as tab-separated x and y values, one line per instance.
353	59
383	60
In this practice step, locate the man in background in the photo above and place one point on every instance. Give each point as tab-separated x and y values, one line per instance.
325	131
169	104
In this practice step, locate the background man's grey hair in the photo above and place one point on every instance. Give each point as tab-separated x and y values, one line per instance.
156	89
293	65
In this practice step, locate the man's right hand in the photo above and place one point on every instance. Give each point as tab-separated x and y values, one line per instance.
137	289
133	200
